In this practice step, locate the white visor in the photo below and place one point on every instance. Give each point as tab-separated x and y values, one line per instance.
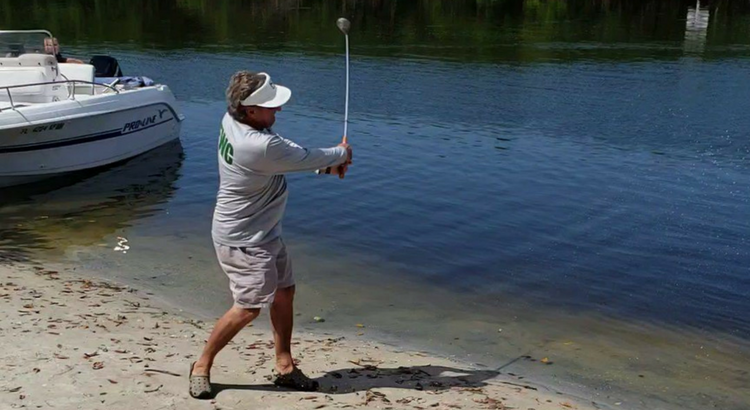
269	95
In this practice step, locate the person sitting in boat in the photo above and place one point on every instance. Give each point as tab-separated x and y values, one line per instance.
51	46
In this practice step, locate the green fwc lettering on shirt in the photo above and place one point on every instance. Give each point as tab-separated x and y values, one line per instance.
225	148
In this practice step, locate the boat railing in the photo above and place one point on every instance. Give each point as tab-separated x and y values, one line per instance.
71	90
46	32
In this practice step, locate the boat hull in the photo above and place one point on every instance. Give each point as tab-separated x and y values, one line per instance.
46	140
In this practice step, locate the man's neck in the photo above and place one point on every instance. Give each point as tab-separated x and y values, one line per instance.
256	126
252	124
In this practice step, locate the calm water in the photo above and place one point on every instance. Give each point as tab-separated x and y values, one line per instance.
573	173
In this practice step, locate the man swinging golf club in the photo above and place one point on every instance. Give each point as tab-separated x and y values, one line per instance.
247	221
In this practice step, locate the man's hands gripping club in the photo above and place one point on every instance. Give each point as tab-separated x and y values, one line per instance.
343	168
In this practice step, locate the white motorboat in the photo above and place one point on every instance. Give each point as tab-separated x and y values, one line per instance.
57	118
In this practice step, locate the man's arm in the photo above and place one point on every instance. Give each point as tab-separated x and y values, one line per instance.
284	156
67	60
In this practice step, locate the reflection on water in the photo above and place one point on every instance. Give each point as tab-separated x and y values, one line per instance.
696	28
509	31
82	208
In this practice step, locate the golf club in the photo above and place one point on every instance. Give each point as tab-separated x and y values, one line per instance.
343	25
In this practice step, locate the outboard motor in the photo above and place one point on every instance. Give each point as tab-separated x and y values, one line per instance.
106	66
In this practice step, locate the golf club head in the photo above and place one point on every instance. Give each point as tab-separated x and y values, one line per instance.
343	25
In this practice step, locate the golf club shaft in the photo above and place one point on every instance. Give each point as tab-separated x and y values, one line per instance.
346	101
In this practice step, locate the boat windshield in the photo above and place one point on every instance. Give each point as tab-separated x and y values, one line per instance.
15	43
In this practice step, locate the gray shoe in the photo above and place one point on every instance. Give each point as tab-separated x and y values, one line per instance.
200	386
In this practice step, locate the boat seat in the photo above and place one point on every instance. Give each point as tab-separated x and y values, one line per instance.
31	69
80	72
45	61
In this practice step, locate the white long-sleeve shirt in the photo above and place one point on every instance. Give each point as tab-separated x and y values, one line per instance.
252	193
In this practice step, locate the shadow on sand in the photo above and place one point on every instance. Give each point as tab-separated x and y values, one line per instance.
349	380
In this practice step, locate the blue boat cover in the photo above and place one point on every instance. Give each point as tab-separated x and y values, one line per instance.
126	81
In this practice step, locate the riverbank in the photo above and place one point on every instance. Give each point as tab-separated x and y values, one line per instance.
71	342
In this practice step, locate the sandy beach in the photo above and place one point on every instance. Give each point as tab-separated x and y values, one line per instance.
74	343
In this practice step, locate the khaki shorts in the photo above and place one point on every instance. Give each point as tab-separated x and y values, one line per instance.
255	272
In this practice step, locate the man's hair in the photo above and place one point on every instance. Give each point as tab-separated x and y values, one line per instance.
242	84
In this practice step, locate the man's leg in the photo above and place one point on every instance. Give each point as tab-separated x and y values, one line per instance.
225	329
282	321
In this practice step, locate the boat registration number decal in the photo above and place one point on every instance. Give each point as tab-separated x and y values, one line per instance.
42	128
